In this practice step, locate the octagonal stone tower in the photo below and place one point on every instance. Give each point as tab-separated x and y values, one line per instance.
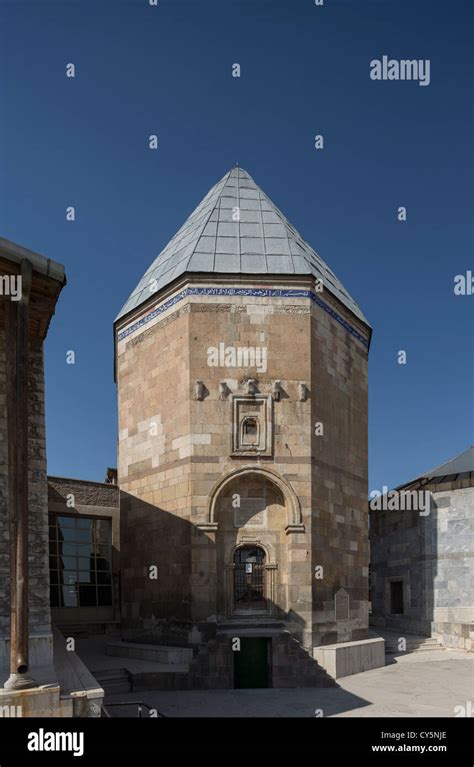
241	364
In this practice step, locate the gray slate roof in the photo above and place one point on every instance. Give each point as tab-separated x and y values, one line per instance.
263	242
460	464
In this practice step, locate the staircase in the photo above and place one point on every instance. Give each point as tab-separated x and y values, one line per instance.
148	667
212	666
148	652
414	643
114	680
295	667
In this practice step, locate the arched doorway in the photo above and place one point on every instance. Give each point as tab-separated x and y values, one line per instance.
252	508
249	578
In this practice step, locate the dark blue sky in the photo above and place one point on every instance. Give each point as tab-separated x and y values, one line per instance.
304	71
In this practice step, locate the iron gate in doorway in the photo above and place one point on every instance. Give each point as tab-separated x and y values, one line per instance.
249	578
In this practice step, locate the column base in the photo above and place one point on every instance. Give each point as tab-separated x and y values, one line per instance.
19	682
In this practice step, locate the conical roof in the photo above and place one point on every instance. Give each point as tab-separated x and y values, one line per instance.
262	242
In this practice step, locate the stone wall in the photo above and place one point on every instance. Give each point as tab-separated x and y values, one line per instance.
4	518
177	461
253	323
339	482
459	636
154	477
454	572
39	611
402	548
433	556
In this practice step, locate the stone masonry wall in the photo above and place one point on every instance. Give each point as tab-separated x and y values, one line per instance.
433	555
153	475
175	450
339	482
401	549
39	611
454	575
265	323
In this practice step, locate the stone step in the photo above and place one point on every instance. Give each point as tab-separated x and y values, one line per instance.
111	673
114	680
423	649
411	642
155	653
414	642
392	647
117	688
85	631
412	645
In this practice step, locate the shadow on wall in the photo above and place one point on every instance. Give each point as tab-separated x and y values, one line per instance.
169	594
404	567
169	573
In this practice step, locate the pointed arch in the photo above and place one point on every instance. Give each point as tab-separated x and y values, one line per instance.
292	504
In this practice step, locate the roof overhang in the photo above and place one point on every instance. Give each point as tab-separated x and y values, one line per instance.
48	279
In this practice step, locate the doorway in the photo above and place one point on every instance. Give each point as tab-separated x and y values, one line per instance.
252	663
249	578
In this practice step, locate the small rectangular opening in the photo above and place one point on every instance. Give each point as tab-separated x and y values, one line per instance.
396	597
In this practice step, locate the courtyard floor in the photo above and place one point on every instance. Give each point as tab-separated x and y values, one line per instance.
430	683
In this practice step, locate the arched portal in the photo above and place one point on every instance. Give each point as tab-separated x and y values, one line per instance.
251	510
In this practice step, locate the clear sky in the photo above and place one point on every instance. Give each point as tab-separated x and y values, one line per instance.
166	70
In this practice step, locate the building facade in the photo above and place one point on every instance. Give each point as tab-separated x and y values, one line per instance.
422	565
241	365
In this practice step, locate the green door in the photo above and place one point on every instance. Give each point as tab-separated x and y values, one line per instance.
251	663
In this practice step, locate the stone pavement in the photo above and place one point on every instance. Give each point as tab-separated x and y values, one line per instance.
417	684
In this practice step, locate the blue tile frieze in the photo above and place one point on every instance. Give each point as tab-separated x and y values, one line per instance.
250	292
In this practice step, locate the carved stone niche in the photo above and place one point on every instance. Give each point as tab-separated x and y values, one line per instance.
341	605
252	425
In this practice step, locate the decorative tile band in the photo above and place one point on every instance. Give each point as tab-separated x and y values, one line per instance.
254	293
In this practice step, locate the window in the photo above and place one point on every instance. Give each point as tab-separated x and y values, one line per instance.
250	431
250	427
80	562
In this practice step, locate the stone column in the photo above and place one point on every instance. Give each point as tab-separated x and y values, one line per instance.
17	389
229	589
270	592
